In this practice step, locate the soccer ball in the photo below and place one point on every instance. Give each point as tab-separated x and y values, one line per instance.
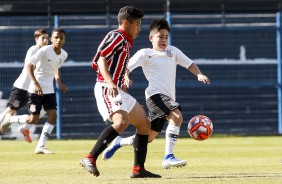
200	127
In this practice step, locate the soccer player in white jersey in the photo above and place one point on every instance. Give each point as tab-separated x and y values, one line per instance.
42	68
19	95
159	67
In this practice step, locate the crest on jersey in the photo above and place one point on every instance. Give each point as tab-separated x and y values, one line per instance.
169	53
16	103
118	103
32	108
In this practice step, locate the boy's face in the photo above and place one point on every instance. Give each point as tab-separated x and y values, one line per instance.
159	39
58	39
132	28
42	40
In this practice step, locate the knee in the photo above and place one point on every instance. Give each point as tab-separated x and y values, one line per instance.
176	118
33	119
120	126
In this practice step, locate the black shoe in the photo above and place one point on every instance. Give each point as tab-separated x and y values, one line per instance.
90	165
144	174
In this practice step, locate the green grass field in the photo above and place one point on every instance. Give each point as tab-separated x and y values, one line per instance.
231	160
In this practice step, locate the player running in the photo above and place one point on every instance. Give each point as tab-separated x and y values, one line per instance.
159	66
19	95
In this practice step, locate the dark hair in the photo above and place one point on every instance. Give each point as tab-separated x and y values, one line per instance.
59	31
129	13
159	24
39	32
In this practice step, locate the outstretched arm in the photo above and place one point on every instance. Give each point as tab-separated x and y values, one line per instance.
193	68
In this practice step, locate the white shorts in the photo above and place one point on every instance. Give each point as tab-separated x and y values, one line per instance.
108	105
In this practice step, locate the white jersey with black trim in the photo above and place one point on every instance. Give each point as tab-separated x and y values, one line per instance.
22	82
47	63
159	68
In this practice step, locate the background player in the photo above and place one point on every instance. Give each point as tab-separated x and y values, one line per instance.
46	63
19	95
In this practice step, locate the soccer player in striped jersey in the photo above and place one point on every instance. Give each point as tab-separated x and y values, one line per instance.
159	66
113	102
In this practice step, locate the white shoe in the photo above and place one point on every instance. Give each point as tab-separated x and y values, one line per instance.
171	161
5	124
43	150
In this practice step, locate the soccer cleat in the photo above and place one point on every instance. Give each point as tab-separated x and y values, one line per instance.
43	150
5	124
171	161
114	146
145	174
25	133
89	163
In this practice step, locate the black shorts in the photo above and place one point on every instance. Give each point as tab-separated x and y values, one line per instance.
159	106
35	102
18	98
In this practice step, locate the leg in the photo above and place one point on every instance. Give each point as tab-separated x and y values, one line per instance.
138	118
46	131
172	132
119	142
8	110
120	119
49	104
17	99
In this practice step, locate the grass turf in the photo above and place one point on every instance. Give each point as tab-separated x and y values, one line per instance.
231	160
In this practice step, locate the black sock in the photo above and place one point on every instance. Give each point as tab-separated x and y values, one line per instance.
106	137
140	149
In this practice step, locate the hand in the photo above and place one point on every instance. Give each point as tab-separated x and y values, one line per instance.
127	82
203	78
38	89
112	89
63	88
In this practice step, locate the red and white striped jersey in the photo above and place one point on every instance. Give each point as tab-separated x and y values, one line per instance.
115	47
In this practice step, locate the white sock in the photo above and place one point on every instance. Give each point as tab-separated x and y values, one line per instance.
127	141
46	131
26	126
19	119
171	135
3	114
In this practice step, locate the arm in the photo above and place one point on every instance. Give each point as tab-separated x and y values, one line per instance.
193	68
30	70
103	67
127	80
62	87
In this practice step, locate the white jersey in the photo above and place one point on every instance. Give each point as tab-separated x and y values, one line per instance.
22	82
159	68
47	63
